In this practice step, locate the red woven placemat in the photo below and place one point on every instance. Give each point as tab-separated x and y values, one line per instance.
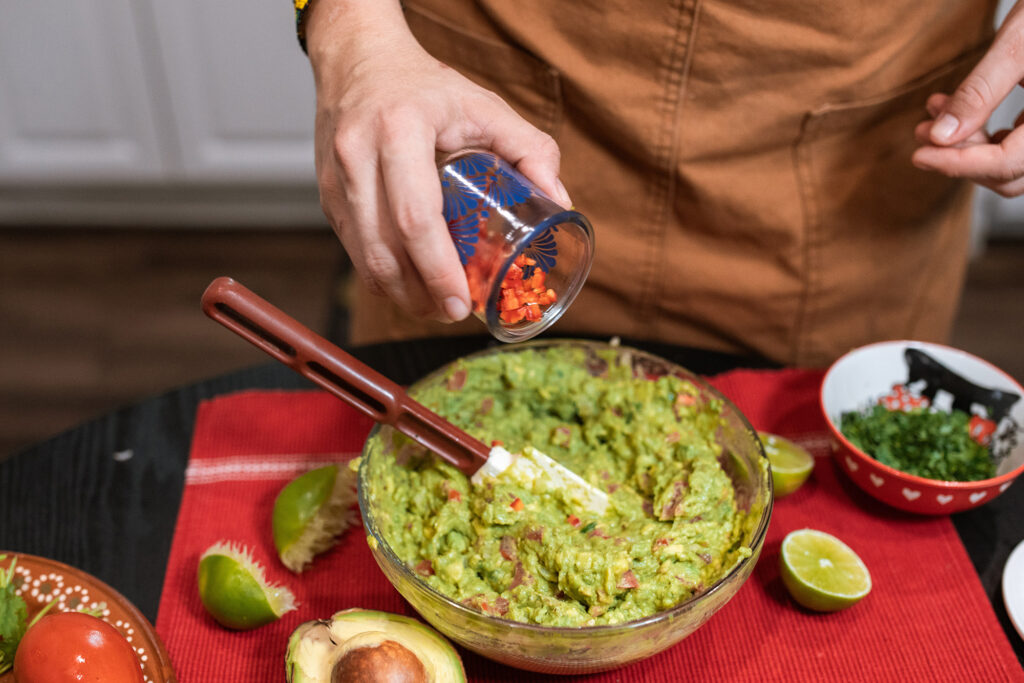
927	617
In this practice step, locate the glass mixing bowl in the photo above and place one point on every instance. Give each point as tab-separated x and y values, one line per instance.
575	650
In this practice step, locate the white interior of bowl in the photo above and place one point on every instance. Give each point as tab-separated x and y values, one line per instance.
862	376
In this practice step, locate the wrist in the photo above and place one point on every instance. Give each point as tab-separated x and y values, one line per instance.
345	30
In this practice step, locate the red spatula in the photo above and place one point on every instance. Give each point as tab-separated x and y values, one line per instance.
337	371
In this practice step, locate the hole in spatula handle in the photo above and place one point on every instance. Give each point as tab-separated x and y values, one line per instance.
254	333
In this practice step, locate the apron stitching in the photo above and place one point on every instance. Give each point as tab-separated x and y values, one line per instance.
663	187
553	83
812	218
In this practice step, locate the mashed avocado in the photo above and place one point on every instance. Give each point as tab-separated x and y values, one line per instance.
523	552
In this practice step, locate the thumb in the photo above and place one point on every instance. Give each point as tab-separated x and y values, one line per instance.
988	84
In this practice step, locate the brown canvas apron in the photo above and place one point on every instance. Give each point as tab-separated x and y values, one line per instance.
745	164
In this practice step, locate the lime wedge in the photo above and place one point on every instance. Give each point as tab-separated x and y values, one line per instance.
821	572
311	512
791	464
233	589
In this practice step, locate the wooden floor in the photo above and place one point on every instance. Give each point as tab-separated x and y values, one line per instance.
91	320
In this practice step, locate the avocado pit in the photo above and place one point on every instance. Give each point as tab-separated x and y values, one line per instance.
385	662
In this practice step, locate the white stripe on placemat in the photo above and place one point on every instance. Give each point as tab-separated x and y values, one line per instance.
286	466
258	467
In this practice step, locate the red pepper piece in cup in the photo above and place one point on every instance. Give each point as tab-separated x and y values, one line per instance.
524	298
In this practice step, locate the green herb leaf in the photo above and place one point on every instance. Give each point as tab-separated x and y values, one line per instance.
925	443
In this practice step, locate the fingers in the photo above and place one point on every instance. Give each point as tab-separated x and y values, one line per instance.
413	193
999	165
922	133
1011	189
988	84
363	221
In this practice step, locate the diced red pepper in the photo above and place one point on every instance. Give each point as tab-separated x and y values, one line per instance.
519	576
424	568
508	548
514	316
628	580
486	405
453	494
501	606
457	380
517	504
981	429
573	520
497	442
524	298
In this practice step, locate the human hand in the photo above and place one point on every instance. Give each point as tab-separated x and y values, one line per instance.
384	108
955	142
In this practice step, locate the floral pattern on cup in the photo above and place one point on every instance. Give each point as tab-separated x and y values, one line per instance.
474	185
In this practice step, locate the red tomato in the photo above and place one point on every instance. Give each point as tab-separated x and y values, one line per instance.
71	646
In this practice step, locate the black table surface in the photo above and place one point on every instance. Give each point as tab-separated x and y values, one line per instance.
104	496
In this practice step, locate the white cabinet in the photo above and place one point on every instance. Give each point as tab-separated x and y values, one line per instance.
75	102
240	89
182	112
155	112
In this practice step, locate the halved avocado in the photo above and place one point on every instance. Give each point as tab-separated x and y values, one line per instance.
367	645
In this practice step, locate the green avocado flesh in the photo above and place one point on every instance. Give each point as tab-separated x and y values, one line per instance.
316	646
521	551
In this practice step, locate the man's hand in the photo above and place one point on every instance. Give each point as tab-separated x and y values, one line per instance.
384	108
955	141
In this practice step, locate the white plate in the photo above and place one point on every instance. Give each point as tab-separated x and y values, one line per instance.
1013	587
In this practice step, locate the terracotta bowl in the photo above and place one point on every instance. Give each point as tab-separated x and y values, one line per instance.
948	378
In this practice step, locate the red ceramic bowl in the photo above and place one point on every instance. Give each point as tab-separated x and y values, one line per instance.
948	378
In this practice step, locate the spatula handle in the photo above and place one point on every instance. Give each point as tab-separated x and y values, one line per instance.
289	341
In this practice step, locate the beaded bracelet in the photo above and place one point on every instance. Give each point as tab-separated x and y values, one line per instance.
300	8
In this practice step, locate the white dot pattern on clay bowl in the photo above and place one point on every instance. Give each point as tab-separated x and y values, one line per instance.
39	581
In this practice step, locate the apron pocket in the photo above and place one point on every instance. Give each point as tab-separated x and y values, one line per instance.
884	241
526	83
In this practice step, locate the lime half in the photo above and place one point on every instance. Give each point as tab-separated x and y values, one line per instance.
235	592
821	572
791	464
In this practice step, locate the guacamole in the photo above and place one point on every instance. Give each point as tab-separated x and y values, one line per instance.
518	549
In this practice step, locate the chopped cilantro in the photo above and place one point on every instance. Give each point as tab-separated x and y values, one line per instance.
13	617
922	442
